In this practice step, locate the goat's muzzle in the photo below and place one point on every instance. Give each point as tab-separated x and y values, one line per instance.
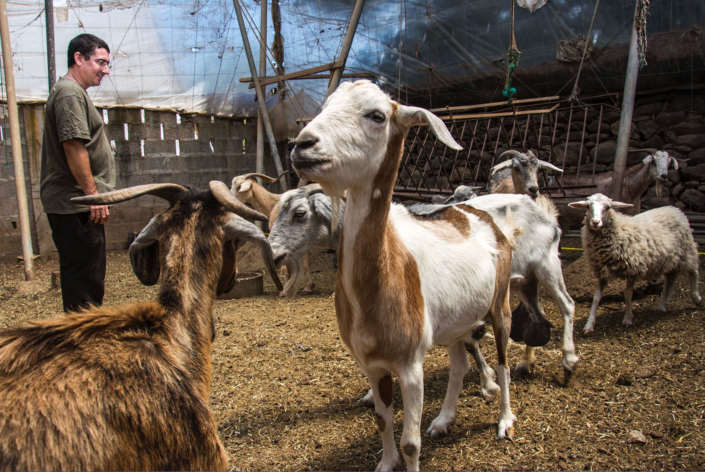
596	224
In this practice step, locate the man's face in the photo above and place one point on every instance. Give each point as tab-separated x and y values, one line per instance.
92	69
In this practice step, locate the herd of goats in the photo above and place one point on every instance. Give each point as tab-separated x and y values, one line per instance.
127	388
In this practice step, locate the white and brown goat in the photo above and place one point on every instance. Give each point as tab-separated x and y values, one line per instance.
248	191
127	388
404	281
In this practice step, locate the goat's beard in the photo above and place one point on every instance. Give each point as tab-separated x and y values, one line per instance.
659	188
295	270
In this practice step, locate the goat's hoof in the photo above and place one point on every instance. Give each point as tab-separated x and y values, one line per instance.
569	367
506	430
567	375
436	433
662	309
439	427
385	465
368	400
307	290
282	295
627	324
523	370
588	331
489	392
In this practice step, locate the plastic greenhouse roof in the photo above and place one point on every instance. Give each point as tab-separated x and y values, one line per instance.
188	55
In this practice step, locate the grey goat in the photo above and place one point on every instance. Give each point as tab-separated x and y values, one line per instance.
461	194
304	221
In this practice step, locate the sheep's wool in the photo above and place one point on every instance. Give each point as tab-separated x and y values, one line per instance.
642	247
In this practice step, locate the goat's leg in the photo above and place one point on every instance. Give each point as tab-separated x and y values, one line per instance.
506	417
694	295
381	383
459	366
551	276
306	259
529	296
411	383
628	292
590	325
488	387
667	291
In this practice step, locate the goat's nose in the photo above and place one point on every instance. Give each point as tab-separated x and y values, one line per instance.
533	190
663	176
306	141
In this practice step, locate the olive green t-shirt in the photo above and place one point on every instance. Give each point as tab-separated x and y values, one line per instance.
70	114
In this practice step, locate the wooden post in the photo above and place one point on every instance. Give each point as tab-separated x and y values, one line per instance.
51	54
20	189
260	96
625	122
345	49
259	164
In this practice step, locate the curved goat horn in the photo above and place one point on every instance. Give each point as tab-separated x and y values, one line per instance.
221	192
168	192
268	179
312	189
511	152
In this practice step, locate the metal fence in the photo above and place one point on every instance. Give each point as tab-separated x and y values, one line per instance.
557	132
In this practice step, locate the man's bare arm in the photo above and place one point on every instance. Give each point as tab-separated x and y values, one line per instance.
79	163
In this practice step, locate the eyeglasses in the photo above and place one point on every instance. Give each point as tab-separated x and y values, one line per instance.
101	62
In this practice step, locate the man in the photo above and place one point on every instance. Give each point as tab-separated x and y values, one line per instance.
77	160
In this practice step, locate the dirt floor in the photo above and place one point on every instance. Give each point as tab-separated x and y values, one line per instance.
286	391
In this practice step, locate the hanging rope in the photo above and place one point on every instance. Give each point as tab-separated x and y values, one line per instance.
513	56
576	89
640	24
2	110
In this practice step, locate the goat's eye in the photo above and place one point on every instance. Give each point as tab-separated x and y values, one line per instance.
377	117
300	213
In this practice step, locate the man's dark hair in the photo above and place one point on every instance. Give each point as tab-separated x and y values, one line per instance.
86	44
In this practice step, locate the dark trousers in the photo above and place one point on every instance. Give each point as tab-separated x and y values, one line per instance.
81	246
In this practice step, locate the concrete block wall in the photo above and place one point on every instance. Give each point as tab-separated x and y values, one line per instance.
150	147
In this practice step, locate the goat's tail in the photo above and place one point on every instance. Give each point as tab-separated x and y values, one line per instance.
548	207
511	228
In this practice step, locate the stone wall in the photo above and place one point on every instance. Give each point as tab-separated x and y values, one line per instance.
671	121
149	146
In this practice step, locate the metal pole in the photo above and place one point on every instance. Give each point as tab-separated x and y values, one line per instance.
260	96
51	54
345	49
625	122
25	231
259	165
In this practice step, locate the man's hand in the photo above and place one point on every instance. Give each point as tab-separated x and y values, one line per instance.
99	213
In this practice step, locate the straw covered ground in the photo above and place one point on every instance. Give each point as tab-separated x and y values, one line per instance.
286	391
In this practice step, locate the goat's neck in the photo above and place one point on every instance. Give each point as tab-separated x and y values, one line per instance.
263	200
368	203
187	293
636	182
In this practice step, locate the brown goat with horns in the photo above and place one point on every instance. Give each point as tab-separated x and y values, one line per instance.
127	388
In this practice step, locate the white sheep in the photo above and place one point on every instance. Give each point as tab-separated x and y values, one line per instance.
643	247
404	281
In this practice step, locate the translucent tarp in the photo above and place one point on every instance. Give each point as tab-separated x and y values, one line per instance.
188	55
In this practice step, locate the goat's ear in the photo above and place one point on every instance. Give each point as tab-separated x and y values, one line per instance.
580	204
502	165
549	166
144	255
239	228
620	205
648	159
245	186
675	163
410	116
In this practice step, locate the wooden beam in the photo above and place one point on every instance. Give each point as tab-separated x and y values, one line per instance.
498	115
352	75
292	75
495	104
